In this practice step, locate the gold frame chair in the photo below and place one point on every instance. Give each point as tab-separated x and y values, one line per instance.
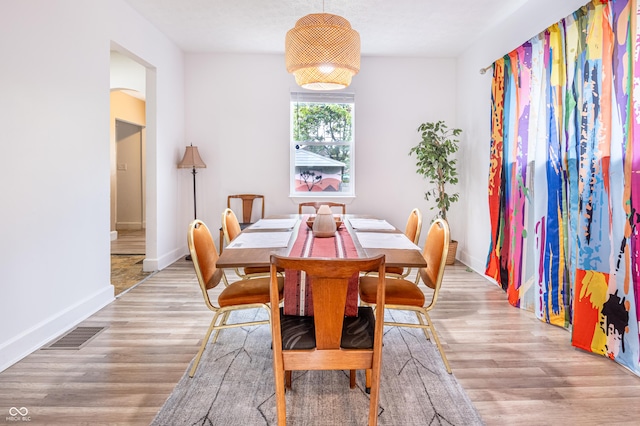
412	230
254	293
230	230
402	294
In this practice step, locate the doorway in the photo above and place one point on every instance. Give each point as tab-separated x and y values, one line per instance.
128	211
128	249
130	194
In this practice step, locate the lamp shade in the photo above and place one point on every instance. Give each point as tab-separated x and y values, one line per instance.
191	159
323	52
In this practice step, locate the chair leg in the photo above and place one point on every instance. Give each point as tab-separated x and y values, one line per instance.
223	321
352	379
204	345
373	381
367	379
287	379
281	408
423	324
437	340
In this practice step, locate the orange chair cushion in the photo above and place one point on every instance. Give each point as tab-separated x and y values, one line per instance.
398	292
243	292
394	270
260	270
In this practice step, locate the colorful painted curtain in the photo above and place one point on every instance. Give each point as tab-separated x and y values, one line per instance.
564	184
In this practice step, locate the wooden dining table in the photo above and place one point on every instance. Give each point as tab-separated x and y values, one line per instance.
357	236
248	255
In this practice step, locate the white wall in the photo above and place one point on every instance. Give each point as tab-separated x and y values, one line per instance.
126	74
54	171
239	118
474	117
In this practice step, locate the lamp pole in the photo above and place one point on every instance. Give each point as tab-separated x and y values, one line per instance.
192	160
195	214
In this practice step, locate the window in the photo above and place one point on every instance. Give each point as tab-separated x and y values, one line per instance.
322	127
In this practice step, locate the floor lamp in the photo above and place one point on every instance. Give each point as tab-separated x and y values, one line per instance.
192	160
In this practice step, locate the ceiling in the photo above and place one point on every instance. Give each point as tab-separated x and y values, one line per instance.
428	28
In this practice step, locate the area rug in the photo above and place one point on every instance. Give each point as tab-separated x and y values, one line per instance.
126	271
234	386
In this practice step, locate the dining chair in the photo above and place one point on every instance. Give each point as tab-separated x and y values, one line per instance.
412	230
246	202
316	205
329	340
243	294
230	230
406	295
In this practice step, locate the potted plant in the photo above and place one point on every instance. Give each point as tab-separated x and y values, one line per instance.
435	163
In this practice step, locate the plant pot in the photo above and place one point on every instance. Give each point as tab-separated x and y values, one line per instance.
451	254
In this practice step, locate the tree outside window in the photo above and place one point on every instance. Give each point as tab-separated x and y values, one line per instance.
322	139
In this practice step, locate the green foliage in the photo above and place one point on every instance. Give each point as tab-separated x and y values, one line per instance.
314	122
316	125
435	164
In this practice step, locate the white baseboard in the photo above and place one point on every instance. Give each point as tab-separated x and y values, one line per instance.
475	264
472	262
150	264
114	235
44	332
129	226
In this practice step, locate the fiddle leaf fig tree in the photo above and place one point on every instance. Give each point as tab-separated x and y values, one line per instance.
435	162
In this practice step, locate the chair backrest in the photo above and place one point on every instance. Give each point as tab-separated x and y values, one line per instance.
316	205
414	226
435	252
230	225
329	340
204	257
247	204
329	279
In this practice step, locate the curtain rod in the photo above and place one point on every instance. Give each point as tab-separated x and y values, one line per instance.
485	69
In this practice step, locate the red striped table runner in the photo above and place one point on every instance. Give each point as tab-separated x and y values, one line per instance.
297	291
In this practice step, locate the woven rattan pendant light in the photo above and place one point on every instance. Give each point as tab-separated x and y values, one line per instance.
323	52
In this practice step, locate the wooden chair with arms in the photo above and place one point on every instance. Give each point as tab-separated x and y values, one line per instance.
245	294
247	205
248	201
329	340
402	294
316	206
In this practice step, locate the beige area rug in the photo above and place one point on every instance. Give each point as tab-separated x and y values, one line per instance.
126	271
234	386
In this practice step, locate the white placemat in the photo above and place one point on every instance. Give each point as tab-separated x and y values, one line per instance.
385	240
371	224
274	224
261	240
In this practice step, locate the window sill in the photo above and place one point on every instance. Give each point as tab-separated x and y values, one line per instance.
347	199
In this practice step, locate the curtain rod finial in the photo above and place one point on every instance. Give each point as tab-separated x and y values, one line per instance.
485	69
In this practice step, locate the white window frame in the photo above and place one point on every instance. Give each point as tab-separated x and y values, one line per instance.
322	97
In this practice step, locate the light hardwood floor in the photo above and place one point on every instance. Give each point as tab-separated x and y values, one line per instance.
515	369
129	242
